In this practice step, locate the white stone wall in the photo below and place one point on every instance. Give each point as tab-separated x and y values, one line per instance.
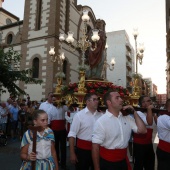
37	48
117	49
35	91
11	30
3	18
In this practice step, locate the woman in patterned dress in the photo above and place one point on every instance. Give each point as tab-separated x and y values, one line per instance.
45	155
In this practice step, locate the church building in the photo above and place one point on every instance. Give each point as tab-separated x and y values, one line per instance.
33	36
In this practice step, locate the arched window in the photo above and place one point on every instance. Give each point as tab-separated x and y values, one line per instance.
65	68
35	66
9	38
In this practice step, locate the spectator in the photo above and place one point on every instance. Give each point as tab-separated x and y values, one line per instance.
14	120
47	104
3	116
22	119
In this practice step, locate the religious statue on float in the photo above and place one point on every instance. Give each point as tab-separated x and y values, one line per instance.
95	56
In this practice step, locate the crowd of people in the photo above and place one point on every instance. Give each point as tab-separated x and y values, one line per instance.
16	116
98	140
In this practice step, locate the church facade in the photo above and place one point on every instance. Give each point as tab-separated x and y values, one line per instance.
43	21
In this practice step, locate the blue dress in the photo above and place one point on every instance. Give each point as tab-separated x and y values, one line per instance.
41	164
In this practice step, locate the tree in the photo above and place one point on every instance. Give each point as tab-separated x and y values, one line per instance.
9	73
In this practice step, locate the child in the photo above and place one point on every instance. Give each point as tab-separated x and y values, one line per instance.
45	155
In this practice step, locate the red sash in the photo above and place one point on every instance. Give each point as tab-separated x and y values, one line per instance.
163	145
143	138
57	125
84	144
115	155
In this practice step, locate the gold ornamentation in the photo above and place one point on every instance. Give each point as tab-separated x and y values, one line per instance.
81	85
59	85
80	99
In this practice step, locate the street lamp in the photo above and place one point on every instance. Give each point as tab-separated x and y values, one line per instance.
52	51
60	75
138	51
83	44
106	65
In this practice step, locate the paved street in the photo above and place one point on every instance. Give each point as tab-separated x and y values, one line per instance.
9	156
10	160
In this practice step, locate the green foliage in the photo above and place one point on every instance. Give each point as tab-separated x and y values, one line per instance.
9	76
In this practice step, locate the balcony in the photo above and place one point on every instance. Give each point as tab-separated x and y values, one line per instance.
129	65
129	75
128	47
128	55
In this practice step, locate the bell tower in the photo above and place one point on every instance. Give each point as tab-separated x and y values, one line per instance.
43	21
1	1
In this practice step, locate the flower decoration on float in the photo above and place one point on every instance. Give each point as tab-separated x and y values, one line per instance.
99	88
70	89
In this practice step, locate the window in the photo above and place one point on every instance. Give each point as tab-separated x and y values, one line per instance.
35	66
8	21
9	38
38	15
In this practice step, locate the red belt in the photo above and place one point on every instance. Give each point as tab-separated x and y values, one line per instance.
57	125
163	145
115	155
84	144
143	138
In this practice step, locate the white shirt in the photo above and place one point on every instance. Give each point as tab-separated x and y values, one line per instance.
56	113
69	119
9	106
163	127
2	112
113	132
45	106
143	117
83	123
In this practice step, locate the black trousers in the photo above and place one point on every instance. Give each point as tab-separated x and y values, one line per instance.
144	157
163	159
60	145
85	161
107	165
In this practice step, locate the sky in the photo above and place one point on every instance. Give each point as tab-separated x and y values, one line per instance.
147	15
